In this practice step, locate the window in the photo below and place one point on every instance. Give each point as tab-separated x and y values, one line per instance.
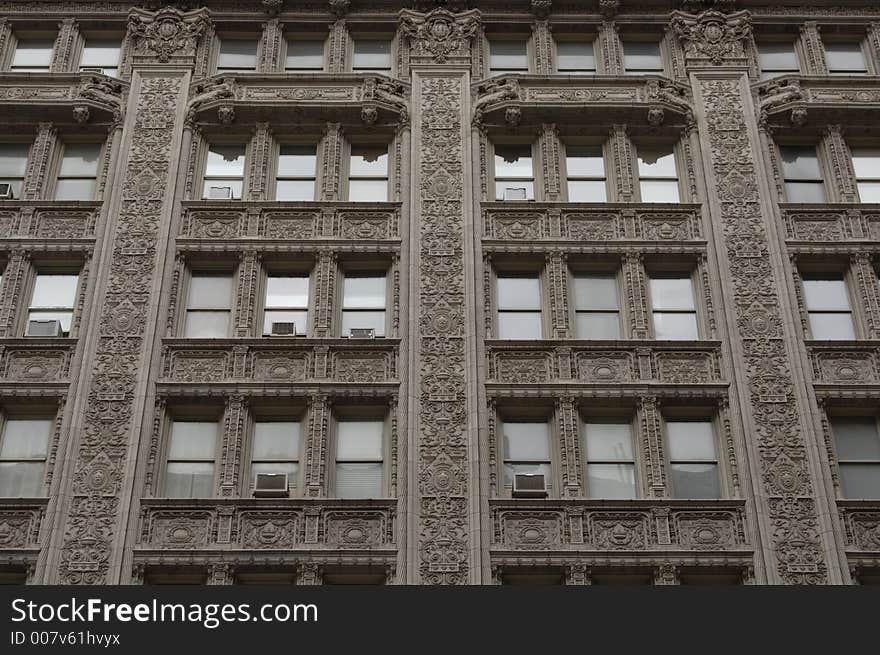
585	169
287	301
610	459
209	306
295	179
78	173
641	58
237	56
276	449
575	57
101	54
514	176
224	172
658	179
363	302
13	165
304	56
23	447
191	452
597	312
777	58
368	173
372	56
526	450
828	306
359	458
519	306
693	464
858	455
673	307
866	162
32	55
845	59
508	57
52	299
802	174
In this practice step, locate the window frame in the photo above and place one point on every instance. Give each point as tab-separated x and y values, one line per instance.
859	147
256	38
642	38
588	37
537	194
346	176
245	178
605	179
87	35
295	413
698	414
29	143
831	437
827	190
678	160
305	268
540	414
681	271
198	268
32	412
50	267
187	413
796	48
622	416
296	141
58	162
30	35
516	38
357	33
346	411
596	269
504	269
363	267
847	280
857	40
294	34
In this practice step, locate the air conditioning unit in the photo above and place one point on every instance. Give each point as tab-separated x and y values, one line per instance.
6	191
529	485
518	193
92	69
270	485
362	333
284	329
220	193
50	328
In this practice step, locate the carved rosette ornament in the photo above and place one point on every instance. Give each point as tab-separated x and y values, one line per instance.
168	32
440	34
712	35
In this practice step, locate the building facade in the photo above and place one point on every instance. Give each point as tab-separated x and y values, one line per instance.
437	292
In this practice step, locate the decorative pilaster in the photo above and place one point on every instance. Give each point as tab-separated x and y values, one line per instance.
842	171
39	162
14	275
557	275
245	298
5	38
259	153
331	161
542	41
569	447
269	52
315	473
874	41
65	46
636	296
338	46
652	446
234	421
325	290
863	271
814	51
548	142
611	48
622	159
220	574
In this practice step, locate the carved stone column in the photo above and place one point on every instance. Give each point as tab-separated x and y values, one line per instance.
331	161
622	159
548	143
338	46
13	291
652	446
793	521
88	535
443	391
39	161
246	295
557	276
843	175
636	296
269	54
259	150
814	51
325	290
862	267
611	48
569	447
315	473
874	41
234	420
5	34
65	46
542	41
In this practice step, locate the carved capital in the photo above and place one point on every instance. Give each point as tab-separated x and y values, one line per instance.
440	34
712	35
167	33
541	8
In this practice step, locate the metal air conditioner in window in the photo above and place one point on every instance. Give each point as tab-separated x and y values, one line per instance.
50	328
220	193
6	191
284	329
362	333
515	193
529	485
92	69
270	485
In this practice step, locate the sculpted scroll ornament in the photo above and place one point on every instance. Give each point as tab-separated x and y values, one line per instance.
440	33
711	34
167	32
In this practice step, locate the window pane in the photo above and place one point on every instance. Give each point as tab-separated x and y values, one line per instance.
296	161
832	326
590	325
100	53
62	317
225	161
210	292
866	163
368	190
508	55
675	327
584	161
609	441
777	56
587	191
21	479
13	159
358	480
193	440
800	163
189	480
844	57
513	161
237	54
206	325
287	291
595	292
575	55
526	469
33	54
372	54
529	441
690	440
519	325
364	292
54	290
659	191
295	190
300	320
695	481
515	190
75	189
80	160
359	440
869	191
856	437
361	320
25	438
805	191
223	189
657	162
290	468
611	481
860	480
672	293
519	292
825	294
305	55
641	55
276	440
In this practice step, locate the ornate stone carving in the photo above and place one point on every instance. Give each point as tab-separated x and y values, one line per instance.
493	92
624	531
711	34
168	32
440	34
